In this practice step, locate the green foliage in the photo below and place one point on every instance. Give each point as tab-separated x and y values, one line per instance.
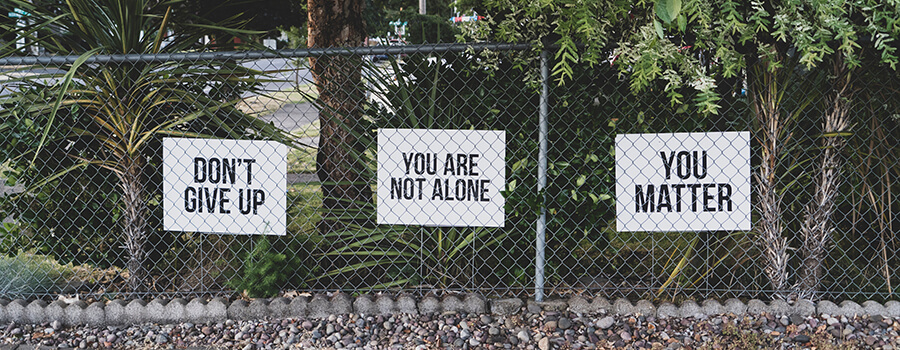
26	274
429	29
99	126
269	268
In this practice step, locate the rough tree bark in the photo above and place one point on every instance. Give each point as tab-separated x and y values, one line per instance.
345	188
765	102
134	221
817	229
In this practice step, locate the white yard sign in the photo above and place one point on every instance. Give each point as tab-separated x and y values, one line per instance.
224	186
441	177
683	182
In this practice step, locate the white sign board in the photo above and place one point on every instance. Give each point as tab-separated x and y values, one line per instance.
683	182
441	177
224	186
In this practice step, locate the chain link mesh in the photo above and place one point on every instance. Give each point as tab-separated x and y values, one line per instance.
83	194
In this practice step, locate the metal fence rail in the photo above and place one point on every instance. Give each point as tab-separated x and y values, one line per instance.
84	213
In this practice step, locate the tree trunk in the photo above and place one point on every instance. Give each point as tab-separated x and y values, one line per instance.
765	95
134	222
816	230
342	172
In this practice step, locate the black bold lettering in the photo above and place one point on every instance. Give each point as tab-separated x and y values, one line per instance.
249	170
684	163
431	163
419	182
210	200
228	170
461	161
473	162
448	165
259	197
694	189
643	203
697	172
664	199
448	192
408	188
437	191
199	170
484	190
419	163
667	162
241	201
396	187
708	197
472	190
725	197
460	186
215	170
407	159
678	188
190	199
223	199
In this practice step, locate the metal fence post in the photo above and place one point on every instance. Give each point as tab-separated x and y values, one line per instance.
542	179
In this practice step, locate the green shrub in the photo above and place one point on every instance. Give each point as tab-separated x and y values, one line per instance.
27	273
268	267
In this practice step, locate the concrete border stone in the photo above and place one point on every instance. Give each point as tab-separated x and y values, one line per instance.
475	303
645	308
452	303
364	304
579	305
892	308
95	314
804	308
623	307
828	307
134	311
406	304
689	308
667	310
34	311
712	307
735	306
430	305
75	313
318	307
156	311
56	311
505	307
118	312
341	304
757	307
16	310
872	308
238	310
384	305
299	306
115	312
851	308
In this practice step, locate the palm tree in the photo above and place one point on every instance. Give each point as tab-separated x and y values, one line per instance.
106	112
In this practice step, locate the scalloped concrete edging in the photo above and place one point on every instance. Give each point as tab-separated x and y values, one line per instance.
118	312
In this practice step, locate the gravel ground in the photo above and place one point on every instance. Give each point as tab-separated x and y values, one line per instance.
548	330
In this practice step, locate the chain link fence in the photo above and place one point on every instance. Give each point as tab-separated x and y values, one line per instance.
87	180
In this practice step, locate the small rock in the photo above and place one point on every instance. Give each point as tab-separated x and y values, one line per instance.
801	338
485	319
606	322
523	336
544	343
564	323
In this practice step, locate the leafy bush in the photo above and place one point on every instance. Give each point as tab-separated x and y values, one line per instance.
269	268
28	273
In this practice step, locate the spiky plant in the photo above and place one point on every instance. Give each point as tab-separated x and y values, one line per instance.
816	231
766	99
107	113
